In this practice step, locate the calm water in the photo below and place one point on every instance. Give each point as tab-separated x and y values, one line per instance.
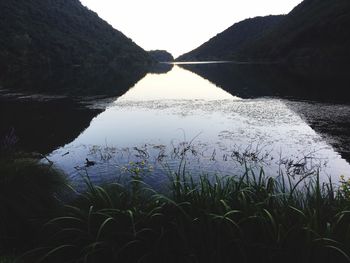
166	120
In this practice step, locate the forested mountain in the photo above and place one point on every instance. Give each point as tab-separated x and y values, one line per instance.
161	55
315	29
223	45
47	33
316	32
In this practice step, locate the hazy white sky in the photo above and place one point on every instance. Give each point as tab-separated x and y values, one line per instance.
182	25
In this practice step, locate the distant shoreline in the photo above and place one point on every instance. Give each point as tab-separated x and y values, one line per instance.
223	62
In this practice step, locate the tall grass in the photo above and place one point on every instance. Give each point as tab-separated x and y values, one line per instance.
252	218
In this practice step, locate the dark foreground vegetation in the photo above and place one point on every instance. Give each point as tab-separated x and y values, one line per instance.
250	218
28	198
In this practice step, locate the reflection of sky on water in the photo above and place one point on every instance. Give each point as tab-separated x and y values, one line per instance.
161	111
178	84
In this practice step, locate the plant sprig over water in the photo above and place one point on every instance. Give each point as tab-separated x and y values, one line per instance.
253	218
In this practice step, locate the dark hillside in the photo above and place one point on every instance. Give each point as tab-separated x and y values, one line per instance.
313	40
55	33
161	55
232	39
315	30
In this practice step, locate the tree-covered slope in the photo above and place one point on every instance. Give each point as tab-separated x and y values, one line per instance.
315	30
315	33
61	32
161	55
232	39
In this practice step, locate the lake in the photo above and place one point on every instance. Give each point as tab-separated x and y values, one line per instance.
198	118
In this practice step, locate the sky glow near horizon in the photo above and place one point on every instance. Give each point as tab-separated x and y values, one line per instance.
182	25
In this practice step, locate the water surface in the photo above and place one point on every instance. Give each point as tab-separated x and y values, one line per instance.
168	118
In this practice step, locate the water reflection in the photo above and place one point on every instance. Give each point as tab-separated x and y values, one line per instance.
161	68
324	113
75	81
164	114
178	84
45	122
43	126
254	80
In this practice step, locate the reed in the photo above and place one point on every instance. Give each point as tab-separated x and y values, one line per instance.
250	218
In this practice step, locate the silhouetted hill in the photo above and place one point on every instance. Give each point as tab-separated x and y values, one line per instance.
314	39
223	45
161	55
315	30
53	33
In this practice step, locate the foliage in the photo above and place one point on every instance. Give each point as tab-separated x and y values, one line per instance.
28	190
61	32
7	259
231	40
315	30
345	187
313	39
55	33
213	219
161	55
